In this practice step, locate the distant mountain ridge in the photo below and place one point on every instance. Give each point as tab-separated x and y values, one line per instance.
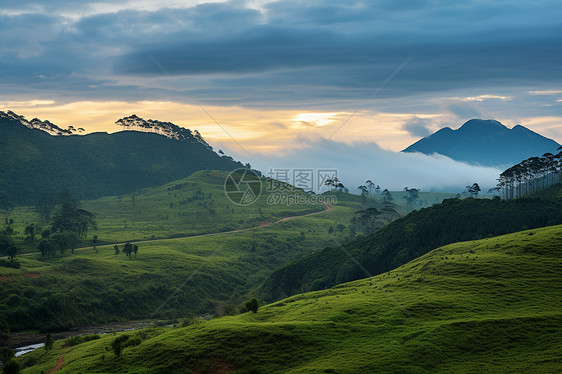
97	164
485	142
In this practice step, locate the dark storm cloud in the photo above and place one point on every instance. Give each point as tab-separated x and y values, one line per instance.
321	51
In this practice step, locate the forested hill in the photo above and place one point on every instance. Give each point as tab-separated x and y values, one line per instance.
409	237
94	165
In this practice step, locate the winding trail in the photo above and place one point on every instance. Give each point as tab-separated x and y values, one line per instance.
327	207
60	363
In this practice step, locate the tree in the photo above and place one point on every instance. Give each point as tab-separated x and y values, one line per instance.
72	240
9	226
61	242
370	185
116	248
128	249
252	305
95	241
7	246
473	190
49	342
412	196
367	218
387	196
30	231
71	218
48	247
135	249
6	354
117	344
11	367
45	206
364	191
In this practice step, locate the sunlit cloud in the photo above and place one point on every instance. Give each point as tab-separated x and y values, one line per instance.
545	92
315	119
24	104
487	97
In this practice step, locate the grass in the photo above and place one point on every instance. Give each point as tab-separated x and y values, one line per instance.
491	305
190	206
204	274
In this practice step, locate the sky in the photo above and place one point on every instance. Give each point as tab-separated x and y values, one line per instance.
292	83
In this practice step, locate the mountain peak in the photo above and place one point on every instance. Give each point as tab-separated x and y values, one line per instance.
167	129
485	142
38	124
482	124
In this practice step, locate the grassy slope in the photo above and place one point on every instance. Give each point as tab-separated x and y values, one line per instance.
484	306
89	288
189	206
410	237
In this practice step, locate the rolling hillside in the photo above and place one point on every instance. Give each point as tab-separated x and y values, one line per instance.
410	237
190	206
487	306
230	251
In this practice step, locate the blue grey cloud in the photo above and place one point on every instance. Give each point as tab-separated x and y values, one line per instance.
291	53
418	127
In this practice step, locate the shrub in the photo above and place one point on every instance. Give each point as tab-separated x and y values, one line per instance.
252	305
75	340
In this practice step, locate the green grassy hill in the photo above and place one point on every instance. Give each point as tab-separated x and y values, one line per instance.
487	306
193	205
409	237
212	272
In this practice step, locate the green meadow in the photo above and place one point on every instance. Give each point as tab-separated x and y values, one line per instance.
486	306
201	275
191	206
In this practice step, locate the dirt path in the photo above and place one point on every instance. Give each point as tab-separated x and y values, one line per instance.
59	364
327	207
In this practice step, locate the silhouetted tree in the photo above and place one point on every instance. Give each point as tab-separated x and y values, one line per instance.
370	186
473	190
128	249
116	248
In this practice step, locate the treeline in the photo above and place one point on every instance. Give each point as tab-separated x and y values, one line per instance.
407	238
531	175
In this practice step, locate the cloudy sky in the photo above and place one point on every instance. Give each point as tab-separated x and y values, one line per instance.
287	81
